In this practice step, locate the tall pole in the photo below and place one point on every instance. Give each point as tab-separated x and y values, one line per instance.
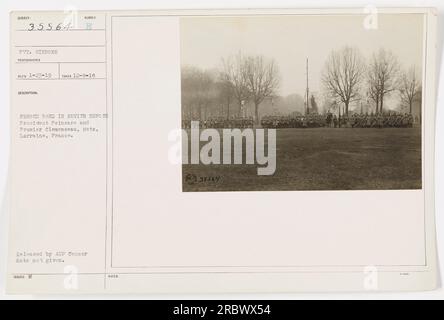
339	116
306	98
272	103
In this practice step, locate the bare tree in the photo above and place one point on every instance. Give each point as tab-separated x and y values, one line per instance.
188	81
383	72
409	87
343	74
197	90
204	89
226	92
373	91
234	72
262	80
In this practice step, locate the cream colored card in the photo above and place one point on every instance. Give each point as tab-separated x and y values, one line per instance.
222	151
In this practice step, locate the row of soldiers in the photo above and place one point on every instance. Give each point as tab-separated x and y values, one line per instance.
221	123
309	121
386	120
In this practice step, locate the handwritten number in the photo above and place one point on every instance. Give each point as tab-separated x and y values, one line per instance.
48	27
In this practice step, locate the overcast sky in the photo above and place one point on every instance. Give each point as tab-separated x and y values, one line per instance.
290	39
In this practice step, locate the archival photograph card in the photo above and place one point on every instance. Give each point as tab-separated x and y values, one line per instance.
196	151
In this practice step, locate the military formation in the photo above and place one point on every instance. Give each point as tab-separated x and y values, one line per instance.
222	123
329	120
309	121
386	120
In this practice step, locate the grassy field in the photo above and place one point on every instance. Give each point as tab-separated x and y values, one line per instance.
324	159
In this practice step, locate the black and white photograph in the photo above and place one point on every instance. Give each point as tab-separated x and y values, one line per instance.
319	102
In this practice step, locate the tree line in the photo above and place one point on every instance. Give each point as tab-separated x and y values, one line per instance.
241	80
346	78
